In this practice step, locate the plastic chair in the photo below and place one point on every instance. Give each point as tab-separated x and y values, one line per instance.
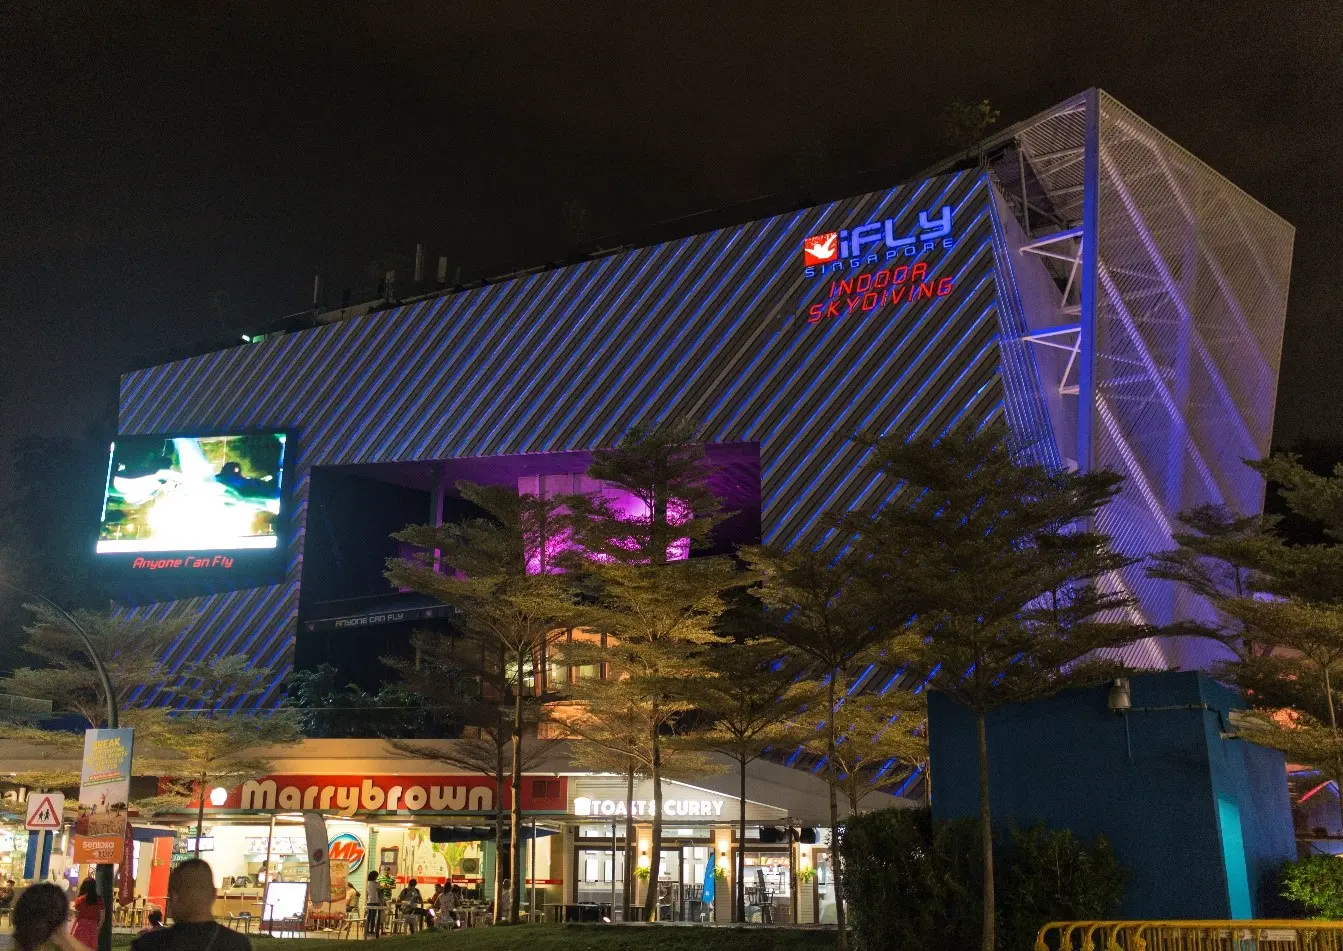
243	918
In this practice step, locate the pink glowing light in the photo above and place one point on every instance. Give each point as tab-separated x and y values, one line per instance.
627	506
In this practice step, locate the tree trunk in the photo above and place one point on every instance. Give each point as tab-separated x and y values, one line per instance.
655	846
1338	748
986	831
631	855
841	918
741	848
500	872
200	813
515	807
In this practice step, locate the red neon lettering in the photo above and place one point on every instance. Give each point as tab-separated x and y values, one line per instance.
864	282
869	301
815	311
944	287
919	271
845	287
882	279
901	274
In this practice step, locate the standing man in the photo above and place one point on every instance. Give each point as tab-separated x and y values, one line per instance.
373	905
191	899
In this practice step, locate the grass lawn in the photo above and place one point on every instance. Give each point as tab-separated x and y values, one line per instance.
572	938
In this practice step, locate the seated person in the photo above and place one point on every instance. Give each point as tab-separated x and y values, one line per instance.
445	907
155	921
412	905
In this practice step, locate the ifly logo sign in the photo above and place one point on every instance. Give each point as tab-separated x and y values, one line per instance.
875	242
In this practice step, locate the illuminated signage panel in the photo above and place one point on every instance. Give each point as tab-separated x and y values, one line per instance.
168	497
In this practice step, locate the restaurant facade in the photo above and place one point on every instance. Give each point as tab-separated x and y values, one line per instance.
413	818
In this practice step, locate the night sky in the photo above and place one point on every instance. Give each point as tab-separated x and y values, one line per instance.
154	157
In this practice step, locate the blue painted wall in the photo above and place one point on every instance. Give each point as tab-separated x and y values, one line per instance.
1200	821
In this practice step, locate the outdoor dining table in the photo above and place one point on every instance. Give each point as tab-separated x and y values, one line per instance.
475	914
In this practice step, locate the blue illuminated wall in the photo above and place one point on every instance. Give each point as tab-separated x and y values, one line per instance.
1201	821
714	327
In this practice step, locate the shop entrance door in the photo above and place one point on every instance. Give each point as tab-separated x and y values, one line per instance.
597	875
825	889
694	863
669	886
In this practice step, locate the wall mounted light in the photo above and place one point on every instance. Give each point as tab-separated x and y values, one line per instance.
1120	699
218	796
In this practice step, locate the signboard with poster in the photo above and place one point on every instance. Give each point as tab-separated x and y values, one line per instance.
104	788
340	879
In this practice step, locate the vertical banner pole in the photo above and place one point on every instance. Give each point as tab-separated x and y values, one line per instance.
45	869
30	860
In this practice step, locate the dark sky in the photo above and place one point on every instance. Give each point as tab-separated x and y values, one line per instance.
153	154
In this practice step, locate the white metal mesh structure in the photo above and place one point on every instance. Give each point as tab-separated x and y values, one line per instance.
1172	294
1192	279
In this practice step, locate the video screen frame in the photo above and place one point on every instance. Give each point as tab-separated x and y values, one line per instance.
225	483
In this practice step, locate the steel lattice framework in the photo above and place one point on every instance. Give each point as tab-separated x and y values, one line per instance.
1168	330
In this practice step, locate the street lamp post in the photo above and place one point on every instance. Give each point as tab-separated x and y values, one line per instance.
104	870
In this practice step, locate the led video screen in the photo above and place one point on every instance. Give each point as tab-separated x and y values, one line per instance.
193	493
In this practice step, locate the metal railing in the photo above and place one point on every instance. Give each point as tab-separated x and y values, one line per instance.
1192	935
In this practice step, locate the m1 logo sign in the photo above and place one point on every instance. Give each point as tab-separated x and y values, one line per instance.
346	847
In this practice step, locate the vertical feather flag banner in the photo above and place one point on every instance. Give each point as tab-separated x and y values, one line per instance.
319	869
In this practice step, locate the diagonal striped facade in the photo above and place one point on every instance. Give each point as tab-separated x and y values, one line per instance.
715	327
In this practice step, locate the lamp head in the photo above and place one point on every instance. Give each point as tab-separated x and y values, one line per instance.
1120	700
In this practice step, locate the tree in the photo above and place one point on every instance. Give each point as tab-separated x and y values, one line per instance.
872	730
654	604
629	720
1278	606
750	698
613	717
815	604
505	587
210	745
328	711
130	650
963	124
1012	592
467	679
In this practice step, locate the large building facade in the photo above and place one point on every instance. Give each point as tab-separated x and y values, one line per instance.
1078	276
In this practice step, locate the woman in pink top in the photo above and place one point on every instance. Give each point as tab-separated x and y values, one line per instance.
88	914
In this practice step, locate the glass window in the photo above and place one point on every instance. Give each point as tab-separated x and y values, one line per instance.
596	875
594	830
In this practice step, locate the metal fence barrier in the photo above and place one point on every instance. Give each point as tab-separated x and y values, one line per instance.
1250	935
